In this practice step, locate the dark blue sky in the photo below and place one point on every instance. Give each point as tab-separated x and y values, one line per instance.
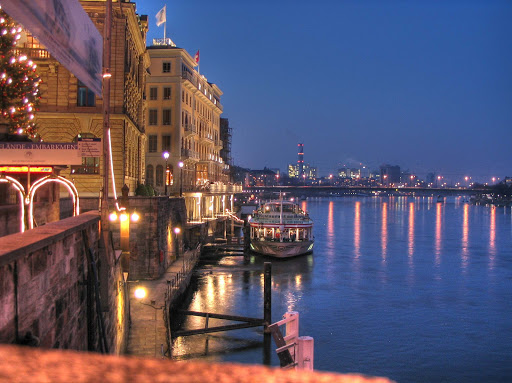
426	85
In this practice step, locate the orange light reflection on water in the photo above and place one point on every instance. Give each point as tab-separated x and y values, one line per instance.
357	229
439	224
384	230
492	238
465	235
330	231
411	230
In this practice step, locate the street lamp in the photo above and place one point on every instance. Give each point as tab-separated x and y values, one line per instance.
166	156
180	165
177	231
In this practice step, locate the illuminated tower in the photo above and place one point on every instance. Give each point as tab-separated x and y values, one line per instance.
300	161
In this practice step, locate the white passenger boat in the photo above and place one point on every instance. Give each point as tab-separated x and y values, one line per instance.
281	229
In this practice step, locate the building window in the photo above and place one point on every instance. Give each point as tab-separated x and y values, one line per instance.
153	117
152	143
202	172
149	175
90	165
166	143
167	93
166	117
166	67
85	96
153	93
159	175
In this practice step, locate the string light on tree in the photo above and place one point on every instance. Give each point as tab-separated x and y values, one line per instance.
19	82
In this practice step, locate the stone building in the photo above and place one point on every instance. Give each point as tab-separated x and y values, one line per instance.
183	120
69	110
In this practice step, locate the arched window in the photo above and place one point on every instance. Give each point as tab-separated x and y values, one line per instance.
90	165
149	175
159	175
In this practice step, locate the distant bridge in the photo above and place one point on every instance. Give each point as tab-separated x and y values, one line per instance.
348	190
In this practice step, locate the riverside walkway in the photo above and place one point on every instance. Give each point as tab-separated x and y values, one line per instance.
147	334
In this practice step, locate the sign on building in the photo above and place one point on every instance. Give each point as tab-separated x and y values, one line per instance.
39	153
68	33
90	147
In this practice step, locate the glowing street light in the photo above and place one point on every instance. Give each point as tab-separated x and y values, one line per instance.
177	231
166	156
140	293
180	165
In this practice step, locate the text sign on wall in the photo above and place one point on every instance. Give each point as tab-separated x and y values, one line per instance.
39	153
90	147
68	33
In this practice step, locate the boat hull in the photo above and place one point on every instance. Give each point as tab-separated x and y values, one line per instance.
282	249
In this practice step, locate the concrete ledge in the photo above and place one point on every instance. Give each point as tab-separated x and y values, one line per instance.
24	364
20	244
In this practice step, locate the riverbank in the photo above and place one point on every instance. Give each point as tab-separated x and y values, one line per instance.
149	316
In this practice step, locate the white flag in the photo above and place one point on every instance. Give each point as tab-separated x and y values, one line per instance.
160	17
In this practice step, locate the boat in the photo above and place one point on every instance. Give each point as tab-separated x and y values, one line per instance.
281	229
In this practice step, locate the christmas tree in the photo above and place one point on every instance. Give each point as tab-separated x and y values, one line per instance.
19	83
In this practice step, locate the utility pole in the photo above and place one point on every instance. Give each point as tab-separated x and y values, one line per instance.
106	118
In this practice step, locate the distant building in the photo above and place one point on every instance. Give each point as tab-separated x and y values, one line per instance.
310	172
300	161
344	172
293	171
364	172
265	177
390	174
225	137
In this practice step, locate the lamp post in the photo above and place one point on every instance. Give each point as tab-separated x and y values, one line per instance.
166	156
180	165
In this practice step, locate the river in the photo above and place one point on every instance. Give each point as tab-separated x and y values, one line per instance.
402	287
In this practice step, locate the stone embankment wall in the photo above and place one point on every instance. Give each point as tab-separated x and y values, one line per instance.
48	289
153	243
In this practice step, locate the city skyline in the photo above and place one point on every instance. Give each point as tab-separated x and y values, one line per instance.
423	86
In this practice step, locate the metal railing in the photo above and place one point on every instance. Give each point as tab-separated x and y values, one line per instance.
189	260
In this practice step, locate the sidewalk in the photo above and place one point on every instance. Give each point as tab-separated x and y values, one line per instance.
147	335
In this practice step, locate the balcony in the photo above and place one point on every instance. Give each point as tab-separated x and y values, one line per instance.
33	53
218	144
205	138
189	130
189	155
190	77
205	88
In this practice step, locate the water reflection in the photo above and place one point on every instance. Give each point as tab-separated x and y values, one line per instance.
330	231
439	221
357	229
411	230
492	238
465	235
384	230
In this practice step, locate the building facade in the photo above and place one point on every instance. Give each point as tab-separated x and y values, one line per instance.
183	118
69	110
